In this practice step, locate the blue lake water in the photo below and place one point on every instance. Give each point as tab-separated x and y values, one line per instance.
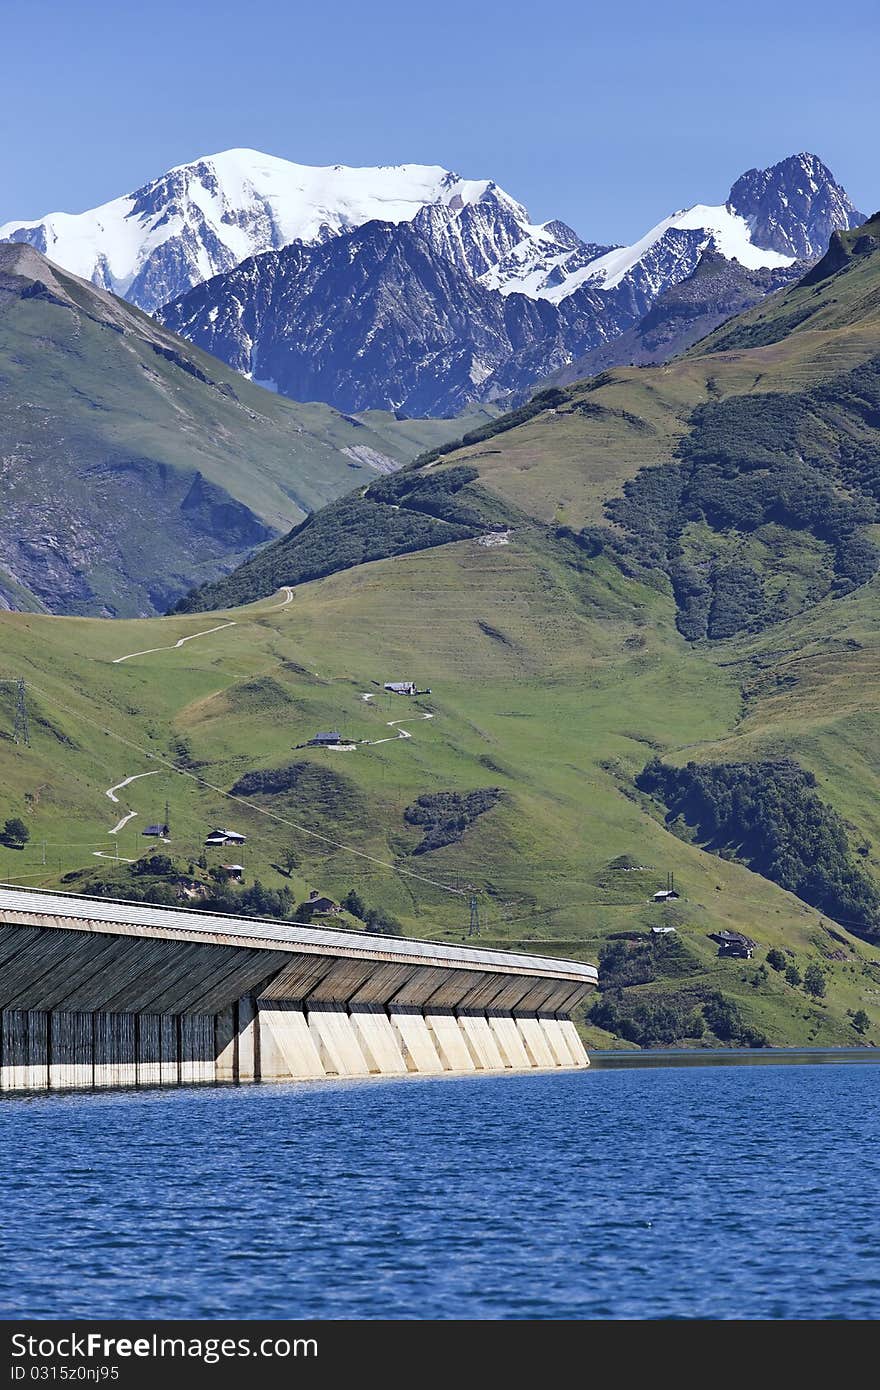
727	1191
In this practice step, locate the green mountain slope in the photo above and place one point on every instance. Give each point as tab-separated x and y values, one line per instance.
580	742
134	465
838	293
554	681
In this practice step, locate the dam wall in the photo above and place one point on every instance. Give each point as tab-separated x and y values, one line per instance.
99	993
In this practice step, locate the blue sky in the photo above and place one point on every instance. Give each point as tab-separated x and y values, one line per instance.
608	116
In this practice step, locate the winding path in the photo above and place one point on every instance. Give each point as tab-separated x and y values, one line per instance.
111	793
206	632
117	787
401	733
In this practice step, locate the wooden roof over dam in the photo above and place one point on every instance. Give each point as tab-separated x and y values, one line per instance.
62	951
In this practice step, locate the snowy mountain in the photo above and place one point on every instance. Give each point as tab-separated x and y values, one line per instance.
409	287
390	312
470	302
208	216
794	207
718	289
772	218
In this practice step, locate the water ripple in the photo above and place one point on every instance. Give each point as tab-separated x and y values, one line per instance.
717	1192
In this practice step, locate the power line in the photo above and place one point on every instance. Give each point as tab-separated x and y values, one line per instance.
474	927
242	801
22	732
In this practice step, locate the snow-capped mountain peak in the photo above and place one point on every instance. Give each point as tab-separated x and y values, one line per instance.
794	206
716	228
772	218
204	217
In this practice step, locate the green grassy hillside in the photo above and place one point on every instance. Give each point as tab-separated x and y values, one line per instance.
550	630
554	686
134	465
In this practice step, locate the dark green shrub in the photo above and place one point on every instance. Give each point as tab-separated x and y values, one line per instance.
814	981
445	816
15	833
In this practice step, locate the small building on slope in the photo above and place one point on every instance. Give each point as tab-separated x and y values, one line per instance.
225	837
327	740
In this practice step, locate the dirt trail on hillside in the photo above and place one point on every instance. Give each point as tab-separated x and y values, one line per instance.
206	632
117	787
401	733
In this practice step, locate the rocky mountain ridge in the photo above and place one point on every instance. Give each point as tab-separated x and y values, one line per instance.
448	310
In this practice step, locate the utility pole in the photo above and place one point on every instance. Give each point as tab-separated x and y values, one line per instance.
474	927
22	731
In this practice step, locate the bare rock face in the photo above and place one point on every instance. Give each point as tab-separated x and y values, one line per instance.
794	206
408	286
470	304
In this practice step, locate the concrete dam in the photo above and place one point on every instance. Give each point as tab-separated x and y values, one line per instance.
96	992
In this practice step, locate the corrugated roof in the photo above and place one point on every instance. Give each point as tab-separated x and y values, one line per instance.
195	925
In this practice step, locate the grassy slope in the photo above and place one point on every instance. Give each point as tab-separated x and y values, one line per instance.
565	466
84	388
582	678
825	301
554	678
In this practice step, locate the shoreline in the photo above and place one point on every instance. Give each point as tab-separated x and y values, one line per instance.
730	1056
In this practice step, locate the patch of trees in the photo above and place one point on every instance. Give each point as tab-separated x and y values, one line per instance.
270	781
445	816
15	833
649	1020
623	963
253	901
814	981
375	919
156	865
722	1015
436	494
402	513
807	461
770	815
646	1021
382	923
652	1021
321	793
